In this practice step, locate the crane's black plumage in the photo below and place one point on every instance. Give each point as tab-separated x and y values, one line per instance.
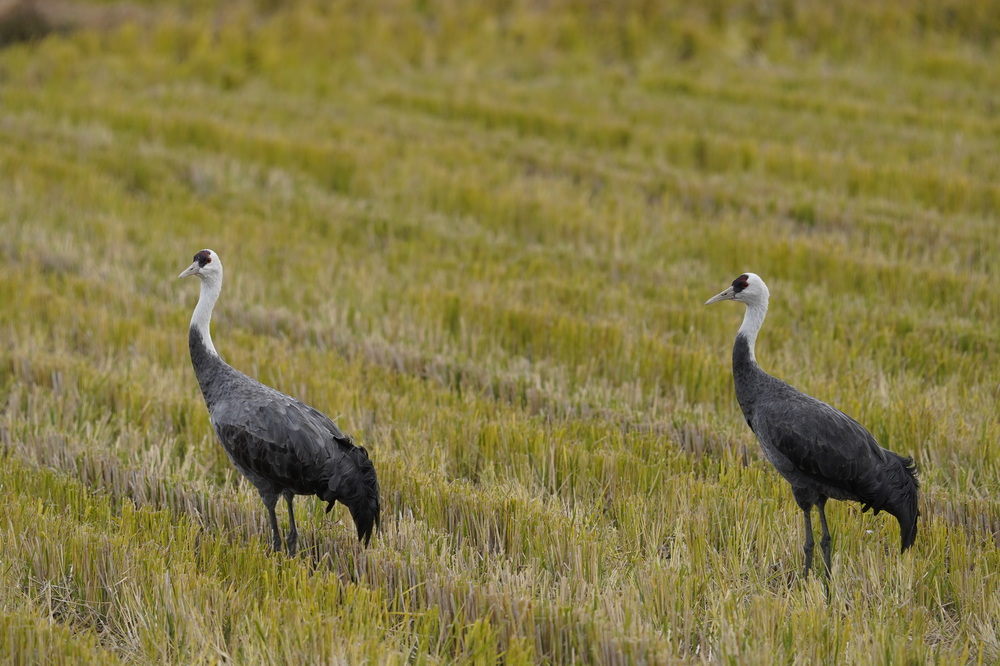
281	445
822	452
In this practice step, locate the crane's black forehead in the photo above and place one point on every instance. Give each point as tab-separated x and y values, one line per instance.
203	257
740	283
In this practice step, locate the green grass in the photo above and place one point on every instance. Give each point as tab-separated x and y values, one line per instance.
479	235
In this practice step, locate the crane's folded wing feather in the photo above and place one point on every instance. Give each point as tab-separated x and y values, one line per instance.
821	441
276	436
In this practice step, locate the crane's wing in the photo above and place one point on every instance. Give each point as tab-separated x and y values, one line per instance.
279	438
820	441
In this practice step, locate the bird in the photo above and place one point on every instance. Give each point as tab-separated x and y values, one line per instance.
282	446
821	451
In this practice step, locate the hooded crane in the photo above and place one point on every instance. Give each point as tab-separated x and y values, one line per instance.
821	451
283	446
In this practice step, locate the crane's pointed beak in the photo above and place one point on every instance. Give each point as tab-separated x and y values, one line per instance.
727	295
193	269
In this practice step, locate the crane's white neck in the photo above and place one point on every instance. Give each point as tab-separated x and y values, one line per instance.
211	287
752	321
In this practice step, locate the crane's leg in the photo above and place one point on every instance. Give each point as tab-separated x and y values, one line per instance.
270	501
292	538
810	543
824	541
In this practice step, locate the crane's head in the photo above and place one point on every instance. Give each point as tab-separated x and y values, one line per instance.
747	288
206	266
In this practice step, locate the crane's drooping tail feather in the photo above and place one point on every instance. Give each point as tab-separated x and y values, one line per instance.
902	478
362	498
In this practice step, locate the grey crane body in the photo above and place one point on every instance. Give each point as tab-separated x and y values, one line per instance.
281	445
822	452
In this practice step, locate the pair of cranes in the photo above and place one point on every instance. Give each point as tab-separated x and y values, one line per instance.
287	448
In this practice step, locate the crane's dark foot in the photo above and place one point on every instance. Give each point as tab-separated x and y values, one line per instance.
824	542
270	499
292	538
807	547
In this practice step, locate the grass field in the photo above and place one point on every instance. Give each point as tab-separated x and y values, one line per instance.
479	236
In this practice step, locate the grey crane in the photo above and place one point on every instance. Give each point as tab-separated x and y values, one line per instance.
822	452
282	446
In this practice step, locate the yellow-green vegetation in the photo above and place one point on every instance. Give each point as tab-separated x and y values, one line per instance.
479	235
